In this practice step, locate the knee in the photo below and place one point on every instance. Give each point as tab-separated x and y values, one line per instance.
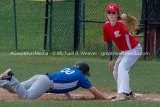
123	71
123	68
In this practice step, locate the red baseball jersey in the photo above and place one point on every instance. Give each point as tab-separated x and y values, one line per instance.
120	35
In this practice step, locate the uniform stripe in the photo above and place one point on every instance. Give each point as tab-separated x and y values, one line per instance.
128	41
64	85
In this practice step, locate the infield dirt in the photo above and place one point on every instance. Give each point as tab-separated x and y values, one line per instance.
78	95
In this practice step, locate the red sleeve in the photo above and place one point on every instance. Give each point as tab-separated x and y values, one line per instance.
106	36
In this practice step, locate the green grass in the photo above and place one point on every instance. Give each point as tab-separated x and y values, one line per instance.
144	78
78	104
30	24
144	74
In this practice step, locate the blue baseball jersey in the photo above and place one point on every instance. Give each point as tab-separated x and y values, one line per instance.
69	79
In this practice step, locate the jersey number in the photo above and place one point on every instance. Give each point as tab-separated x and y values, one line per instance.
68	71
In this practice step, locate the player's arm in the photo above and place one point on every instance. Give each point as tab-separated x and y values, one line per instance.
86	84
110	51
97	93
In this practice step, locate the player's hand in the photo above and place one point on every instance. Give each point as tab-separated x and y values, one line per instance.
111	97
105	98
110	65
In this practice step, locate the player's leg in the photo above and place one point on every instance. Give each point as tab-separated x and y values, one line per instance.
39	87
115	70
28	83
41	84
123	85
7	76
10	83
4	83
126	63
8	88
35	89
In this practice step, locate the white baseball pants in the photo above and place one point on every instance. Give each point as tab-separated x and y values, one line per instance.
122	67
30	89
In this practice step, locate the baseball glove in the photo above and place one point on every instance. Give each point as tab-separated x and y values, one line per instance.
131	23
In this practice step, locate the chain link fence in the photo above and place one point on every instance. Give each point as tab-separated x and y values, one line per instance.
63	26
6	28
29	15
22	25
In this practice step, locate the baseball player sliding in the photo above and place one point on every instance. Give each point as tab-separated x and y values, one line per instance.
64	81
115	30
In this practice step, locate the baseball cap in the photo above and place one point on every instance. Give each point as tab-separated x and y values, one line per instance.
84	67
113	7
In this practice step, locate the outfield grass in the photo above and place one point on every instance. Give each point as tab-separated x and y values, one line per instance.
144	77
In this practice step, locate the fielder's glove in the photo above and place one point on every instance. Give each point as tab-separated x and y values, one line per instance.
131	23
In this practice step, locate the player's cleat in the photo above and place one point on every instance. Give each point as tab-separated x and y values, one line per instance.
122	97
7	75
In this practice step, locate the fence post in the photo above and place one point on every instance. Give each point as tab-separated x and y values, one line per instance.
84	24
15	24
77	24
46	26
50	27
145	9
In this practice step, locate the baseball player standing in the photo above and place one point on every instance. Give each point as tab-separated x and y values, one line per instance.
114	30
64	81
